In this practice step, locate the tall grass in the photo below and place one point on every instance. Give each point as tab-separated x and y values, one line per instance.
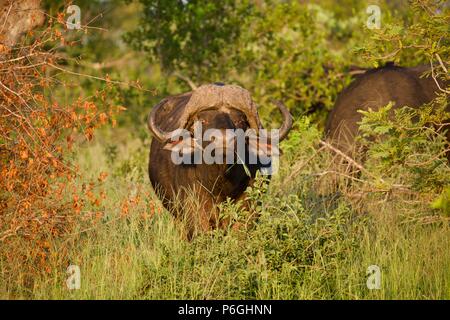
307	243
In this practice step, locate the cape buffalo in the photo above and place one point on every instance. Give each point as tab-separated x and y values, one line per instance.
217	107
374	89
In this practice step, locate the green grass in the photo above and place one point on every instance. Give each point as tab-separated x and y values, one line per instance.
306	244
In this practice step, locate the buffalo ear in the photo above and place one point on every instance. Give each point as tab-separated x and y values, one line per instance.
185	146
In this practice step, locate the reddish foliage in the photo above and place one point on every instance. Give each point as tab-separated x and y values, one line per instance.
39	198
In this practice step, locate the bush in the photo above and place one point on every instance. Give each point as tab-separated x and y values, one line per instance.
40	199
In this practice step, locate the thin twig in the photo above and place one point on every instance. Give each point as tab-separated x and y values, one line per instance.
441	63
433	75
186	79
98	78
6	19
346	157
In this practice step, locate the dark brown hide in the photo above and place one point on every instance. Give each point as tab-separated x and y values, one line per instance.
211	183
375	89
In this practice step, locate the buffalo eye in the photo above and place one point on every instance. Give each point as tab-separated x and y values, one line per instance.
240	123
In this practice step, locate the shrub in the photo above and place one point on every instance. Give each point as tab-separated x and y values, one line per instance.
40	199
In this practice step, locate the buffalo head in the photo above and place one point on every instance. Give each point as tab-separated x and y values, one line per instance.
216	108
196	123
